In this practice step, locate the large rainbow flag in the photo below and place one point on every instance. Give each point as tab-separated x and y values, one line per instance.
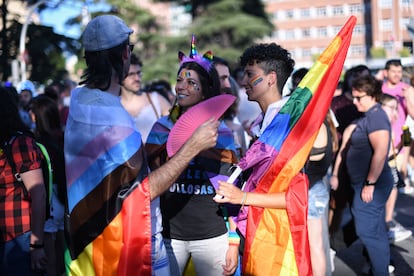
276	239
108	227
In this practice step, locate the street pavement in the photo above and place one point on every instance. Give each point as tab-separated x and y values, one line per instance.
349	261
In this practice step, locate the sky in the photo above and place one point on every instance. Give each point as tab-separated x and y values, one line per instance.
66	10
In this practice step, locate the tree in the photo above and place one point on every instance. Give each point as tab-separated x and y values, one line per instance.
223	27
148	35
227	30
44	47
147	38
46	50
197	7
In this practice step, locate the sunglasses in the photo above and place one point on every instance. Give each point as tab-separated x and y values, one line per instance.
358	98
131	47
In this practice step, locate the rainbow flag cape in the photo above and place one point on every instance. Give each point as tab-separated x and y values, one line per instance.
108	229
276	239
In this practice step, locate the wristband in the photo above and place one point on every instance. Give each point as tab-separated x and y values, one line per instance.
369	183
234	238
37	245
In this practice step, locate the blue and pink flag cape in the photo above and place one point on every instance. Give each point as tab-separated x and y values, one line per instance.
276	239
108	226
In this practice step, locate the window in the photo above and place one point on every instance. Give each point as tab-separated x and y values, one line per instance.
385	3
358	29
304	13
322	32
306	53
404	22
406	3
357	50
356	9
338	10
289	14
306	32
386	25
321	11
290	34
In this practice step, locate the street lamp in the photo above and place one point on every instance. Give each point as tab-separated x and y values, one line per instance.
22	45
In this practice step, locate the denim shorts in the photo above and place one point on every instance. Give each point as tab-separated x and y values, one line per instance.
15	256
318	200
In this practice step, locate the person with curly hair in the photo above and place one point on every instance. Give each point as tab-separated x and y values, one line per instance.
267	68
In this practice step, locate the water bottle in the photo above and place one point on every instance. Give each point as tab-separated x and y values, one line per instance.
406	136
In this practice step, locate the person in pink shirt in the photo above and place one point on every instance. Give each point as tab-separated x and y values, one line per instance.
394	86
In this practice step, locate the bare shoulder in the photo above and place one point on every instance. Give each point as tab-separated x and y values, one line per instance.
164	104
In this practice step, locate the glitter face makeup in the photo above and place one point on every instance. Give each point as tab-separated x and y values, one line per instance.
256	80
185	78
185	74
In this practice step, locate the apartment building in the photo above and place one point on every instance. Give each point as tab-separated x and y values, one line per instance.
305	28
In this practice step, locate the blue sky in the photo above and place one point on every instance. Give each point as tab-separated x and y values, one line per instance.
68	9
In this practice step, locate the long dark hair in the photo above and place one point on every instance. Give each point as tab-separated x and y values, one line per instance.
47	116
10	120
98	74
210	82
49	132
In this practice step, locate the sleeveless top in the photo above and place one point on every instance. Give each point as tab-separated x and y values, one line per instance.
316	170
147	117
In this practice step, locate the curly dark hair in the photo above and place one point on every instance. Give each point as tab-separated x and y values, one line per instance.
270	57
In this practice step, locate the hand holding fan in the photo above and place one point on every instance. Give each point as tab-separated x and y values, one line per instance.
230	180
194	117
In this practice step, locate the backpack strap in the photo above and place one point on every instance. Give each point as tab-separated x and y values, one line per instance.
7	148
49	171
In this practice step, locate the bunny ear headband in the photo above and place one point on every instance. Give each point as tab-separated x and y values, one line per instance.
204	61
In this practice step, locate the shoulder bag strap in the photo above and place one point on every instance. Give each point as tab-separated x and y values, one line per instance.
152	104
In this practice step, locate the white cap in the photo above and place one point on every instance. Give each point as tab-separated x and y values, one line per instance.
27	85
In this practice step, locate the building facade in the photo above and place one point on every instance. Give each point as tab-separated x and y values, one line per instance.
305	28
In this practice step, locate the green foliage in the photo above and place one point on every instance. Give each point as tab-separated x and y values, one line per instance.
217	25
217	28
405	52
378	52
45	50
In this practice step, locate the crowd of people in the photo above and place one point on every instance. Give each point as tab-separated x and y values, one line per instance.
121	204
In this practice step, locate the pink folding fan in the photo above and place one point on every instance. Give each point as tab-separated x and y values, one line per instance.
194	117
